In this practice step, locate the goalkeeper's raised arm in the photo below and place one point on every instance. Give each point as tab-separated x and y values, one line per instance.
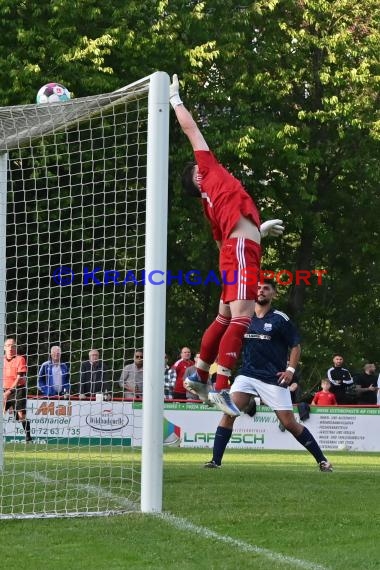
185	119
235	225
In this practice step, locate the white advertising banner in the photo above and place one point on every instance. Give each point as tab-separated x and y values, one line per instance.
60	421
190	425
335	428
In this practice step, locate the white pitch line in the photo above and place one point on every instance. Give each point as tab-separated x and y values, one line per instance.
185	525
91	489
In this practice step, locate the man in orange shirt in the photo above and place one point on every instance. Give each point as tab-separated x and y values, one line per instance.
14	384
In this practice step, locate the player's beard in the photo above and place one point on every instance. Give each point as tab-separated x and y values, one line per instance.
263	302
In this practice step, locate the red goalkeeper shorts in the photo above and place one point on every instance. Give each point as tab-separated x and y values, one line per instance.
239	264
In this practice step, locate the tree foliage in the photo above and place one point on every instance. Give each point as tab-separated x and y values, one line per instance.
287	94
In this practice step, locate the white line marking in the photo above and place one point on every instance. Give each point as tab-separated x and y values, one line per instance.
185	525
90	489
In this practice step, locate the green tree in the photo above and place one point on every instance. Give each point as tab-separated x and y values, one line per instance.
287	95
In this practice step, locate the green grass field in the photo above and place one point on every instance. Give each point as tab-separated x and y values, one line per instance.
262	510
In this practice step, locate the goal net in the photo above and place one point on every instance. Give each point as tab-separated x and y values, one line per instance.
83	215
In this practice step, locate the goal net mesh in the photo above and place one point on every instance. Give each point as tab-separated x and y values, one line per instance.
75	238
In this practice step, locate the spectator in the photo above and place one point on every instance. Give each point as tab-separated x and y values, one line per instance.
179	391
169	380
132	377
53	376
366	386
340	379
324	397
212	373
94	377
188	371
14	385
295	388
295	394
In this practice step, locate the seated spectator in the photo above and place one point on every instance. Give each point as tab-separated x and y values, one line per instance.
169	380
295	394
188	371
340	379
94	377
366	386
53	376
132	377
324	397
212	373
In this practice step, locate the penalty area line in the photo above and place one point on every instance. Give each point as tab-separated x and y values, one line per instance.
185	525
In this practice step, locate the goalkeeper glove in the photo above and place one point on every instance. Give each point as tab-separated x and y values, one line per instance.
273	228
174	97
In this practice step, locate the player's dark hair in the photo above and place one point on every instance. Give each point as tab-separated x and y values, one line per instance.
270	282
187	180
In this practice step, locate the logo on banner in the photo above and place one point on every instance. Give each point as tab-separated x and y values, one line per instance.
107	421
54	409
172	433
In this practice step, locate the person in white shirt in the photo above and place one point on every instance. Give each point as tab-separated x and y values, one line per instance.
132	376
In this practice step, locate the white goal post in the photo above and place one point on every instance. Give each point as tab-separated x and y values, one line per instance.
83	228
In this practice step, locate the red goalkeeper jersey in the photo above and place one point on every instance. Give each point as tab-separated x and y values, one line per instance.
223	196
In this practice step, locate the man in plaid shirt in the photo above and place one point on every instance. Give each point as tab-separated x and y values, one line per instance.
169	380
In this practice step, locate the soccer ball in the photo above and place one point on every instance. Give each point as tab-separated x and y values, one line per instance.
53	93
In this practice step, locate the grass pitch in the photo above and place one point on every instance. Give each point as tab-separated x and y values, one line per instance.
262	510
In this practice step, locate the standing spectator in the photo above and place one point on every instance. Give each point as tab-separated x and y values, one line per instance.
132	377
324	397
190	370
53	376
295	394
179	391
340	379
212	373
94	377
169	380
366	386
236	228
14	385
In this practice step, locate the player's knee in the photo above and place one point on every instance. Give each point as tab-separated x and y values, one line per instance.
290	424
227	422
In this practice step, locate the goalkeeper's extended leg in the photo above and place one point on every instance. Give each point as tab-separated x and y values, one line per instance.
210	343
197	382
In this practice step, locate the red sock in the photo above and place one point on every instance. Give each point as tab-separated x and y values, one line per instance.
229	349
210	343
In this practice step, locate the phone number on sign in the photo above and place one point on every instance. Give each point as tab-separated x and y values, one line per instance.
55	431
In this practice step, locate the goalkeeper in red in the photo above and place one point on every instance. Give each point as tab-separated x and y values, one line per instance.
236	228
